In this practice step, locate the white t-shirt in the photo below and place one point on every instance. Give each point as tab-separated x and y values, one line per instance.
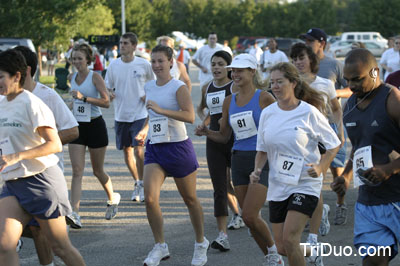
128	79
327	87
19	121
269	59
63	116
227	49
203	56
293	133
390	58
257	53
175	71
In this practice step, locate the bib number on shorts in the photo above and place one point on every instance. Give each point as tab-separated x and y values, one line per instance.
289	168
362	159
243	125
82	111
158	129
215	101
5	149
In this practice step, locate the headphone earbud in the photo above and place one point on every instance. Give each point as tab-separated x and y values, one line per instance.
374	73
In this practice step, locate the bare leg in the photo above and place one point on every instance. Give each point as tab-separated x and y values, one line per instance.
97	158
154	177
43	249
131	162
232	202
187	188
337	171
139	157
221	223
56	232
316	217
77	157
12	222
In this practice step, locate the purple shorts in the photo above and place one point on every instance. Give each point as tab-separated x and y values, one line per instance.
178	159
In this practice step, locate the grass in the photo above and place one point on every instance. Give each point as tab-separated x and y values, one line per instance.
47	80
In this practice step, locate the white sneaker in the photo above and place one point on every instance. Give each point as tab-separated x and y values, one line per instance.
135	193
315	258
236	222
273	259
74	220
158	253
325	226
112	206
19	245
141	192
221	242
200	253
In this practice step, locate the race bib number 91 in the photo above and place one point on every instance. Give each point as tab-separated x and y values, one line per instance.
243	125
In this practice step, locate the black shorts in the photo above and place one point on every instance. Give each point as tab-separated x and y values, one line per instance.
92	134
302	203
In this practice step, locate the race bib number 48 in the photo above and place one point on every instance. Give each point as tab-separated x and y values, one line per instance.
82	111
243	125
158	130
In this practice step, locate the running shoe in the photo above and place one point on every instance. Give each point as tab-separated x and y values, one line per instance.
236	222
315	258
341	214
19	245
273	259
112	206
158	253
74	220
325	226
141	192
135	193
221	242
200	253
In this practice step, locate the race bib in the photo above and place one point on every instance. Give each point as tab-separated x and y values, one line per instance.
215	101
5	149
362	159
289	168
82	111
243	125
158	129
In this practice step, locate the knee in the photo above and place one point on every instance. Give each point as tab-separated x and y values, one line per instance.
7	246
150	201
249	218
289	244
99	172
77	171
138	152
190	201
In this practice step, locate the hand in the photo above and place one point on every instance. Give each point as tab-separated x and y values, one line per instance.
255	176
342	140
201	130
7	160
153	106
141	137
377	174
314	170
339	185
76	95
112	94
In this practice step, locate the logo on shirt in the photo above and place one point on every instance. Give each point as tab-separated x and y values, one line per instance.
374	124
297	199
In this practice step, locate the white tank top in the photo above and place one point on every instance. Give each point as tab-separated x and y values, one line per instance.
175	72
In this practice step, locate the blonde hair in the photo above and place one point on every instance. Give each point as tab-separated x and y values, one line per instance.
302	91
166	39
87	50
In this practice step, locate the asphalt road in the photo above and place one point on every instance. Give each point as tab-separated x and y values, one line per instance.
127	239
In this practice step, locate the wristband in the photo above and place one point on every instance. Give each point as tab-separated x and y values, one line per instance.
84	99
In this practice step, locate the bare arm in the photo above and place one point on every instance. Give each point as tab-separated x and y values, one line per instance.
261	159
323	165
344	93
51	145
337	118
68	135
184	76
202	104
103	101
204	69
186	112
266	99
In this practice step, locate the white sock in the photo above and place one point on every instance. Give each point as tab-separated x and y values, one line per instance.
312	238
272	249
140	182
51	264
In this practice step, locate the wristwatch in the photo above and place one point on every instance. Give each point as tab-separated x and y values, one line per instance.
84	99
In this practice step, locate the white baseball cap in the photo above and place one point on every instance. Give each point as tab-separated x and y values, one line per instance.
244	61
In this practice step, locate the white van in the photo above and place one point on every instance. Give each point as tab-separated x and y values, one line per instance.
364	36
9	43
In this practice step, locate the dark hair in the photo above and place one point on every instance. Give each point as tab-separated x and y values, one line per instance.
273	39
302	91
86	50
163	49
299	48
30	57
131	36
227	58
12	62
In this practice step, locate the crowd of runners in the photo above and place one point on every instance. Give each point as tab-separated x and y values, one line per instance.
273	129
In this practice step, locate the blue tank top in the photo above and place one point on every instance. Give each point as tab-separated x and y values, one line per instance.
247	144
88	89
374	127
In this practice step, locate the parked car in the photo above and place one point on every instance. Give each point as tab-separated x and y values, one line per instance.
244	41
9	43
284	44
341	48
364	36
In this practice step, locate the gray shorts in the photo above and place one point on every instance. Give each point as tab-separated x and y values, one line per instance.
243	165
43	195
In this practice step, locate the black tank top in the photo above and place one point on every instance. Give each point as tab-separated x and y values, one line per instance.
374	127
214	89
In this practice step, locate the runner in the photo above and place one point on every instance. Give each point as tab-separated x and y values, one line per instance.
169	151
219	155
34	185
288	137
88	90
241	113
